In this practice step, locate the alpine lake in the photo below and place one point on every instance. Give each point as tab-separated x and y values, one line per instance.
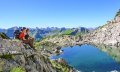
89	58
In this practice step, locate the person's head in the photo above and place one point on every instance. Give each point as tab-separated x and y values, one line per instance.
23	29
27	30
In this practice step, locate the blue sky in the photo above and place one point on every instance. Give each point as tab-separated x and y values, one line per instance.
57	13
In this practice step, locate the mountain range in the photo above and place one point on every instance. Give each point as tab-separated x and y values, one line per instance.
39	33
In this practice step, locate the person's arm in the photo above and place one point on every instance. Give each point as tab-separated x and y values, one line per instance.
24	38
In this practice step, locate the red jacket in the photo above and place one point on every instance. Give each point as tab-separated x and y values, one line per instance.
22	35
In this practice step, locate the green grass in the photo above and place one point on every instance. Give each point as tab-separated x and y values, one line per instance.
67	32
60	67
7	56
17	69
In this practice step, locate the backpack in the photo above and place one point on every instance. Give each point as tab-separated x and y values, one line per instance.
16	34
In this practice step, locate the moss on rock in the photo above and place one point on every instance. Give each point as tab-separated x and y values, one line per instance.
7	56
61	67
1	65
17	69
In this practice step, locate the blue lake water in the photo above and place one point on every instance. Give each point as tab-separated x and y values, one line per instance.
87	58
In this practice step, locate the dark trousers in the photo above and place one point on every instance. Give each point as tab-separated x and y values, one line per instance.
29	41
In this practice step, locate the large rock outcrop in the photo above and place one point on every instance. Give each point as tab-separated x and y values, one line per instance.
14	55
18	57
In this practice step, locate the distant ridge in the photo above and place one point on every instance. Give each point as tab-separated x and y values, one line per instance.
38	33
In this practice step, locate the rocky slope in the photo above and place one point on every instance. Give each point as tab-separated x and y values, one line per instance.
64	40
18	57
109	34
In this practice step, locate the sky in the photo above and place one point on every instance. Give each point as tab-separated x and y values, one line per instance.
57	13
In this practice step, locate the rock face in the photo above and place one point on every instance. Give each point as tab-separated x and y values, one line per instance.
108	34
117	19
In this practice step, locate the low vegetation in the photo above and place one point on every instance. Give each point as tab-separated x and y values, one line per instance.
1	65
17	69
68	32
60	67
4	36
7	56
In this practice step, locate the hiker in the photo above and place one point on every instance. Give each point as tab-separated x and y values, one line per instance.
22	37
28	37
27	34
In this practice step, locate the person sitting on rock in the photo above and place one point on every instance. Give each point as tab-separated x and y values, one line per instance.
27	34
27	37
26	41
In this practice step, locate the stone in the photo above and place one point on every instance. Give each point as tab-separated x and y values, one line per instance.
62	61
